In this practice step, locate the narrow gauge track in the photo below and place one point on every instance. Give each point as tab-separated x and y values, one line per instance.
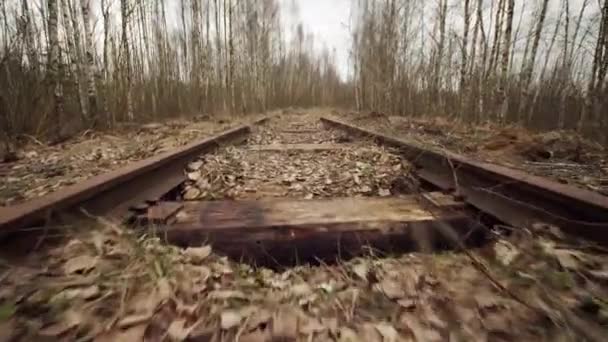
295	209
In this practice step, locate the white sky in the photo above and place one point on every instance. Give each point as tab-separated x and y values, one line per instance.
327	20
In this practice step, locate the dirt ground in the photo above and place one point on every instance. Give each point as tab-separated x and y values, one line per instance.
561	155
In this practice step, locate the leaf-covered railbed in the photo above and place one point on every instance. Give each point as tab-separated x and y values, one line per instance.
107	282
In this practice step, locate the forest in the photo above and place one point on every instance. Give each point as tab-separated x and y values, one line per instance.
70	65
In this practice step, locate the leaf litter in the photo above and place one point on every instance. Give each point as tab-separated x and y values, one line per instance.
41	169
562	155
349	170
110	284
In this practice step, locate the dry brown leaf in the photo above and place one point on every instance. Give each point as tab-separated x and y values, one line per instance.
227	294
69	320
505	251
194	175
391	288
285	326
311	326
133	320
85	293
361	270
300	290
256	336
349	335
420	332
384	192
261	317
178	331
388	332
132	334
486	300
79	264
369	333
164	291
599	274
230	319
192	193
196	255
407	303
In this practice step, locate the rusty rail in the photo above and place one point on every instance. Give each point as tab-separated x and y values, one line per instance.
115	192
512	196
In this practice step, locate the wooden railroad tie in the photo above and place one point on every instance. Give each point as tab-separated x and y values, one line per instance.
298	147
291	231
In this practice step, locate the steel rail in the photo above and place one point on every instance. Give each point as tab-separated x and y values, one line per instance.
510	195
113	193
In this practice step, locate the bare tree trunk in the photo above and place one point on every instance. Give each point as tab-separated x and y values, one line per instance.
497	37
124	10
598	71
54	75
544	68
563	71
464	65
504	108
231	58
75	62
529	68
90	62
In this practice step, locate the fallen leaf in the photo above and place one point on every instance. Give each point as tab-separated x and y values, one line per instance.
300	290
227	294
506	252
85	293
407	303
420	332
361	270
192	193
197	254
391	288
388	332
569	259
132	334
486	300
328	287
349	335
600	274
369	333
230	319
311	327
285	326
133	320
384	192
79	264
256	336
261	317
365	189
69	320
177	330
194	175
164	291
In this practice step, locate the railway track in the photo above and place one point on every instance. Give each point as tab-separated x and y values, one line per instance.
297	195
297	190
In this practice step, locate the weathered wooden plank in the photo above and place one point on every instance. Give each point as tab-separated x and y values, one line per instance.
300	131
442	200
291	231
298	147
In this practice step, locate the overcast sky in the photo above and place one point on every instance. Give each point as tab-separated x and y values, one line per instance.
327	20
